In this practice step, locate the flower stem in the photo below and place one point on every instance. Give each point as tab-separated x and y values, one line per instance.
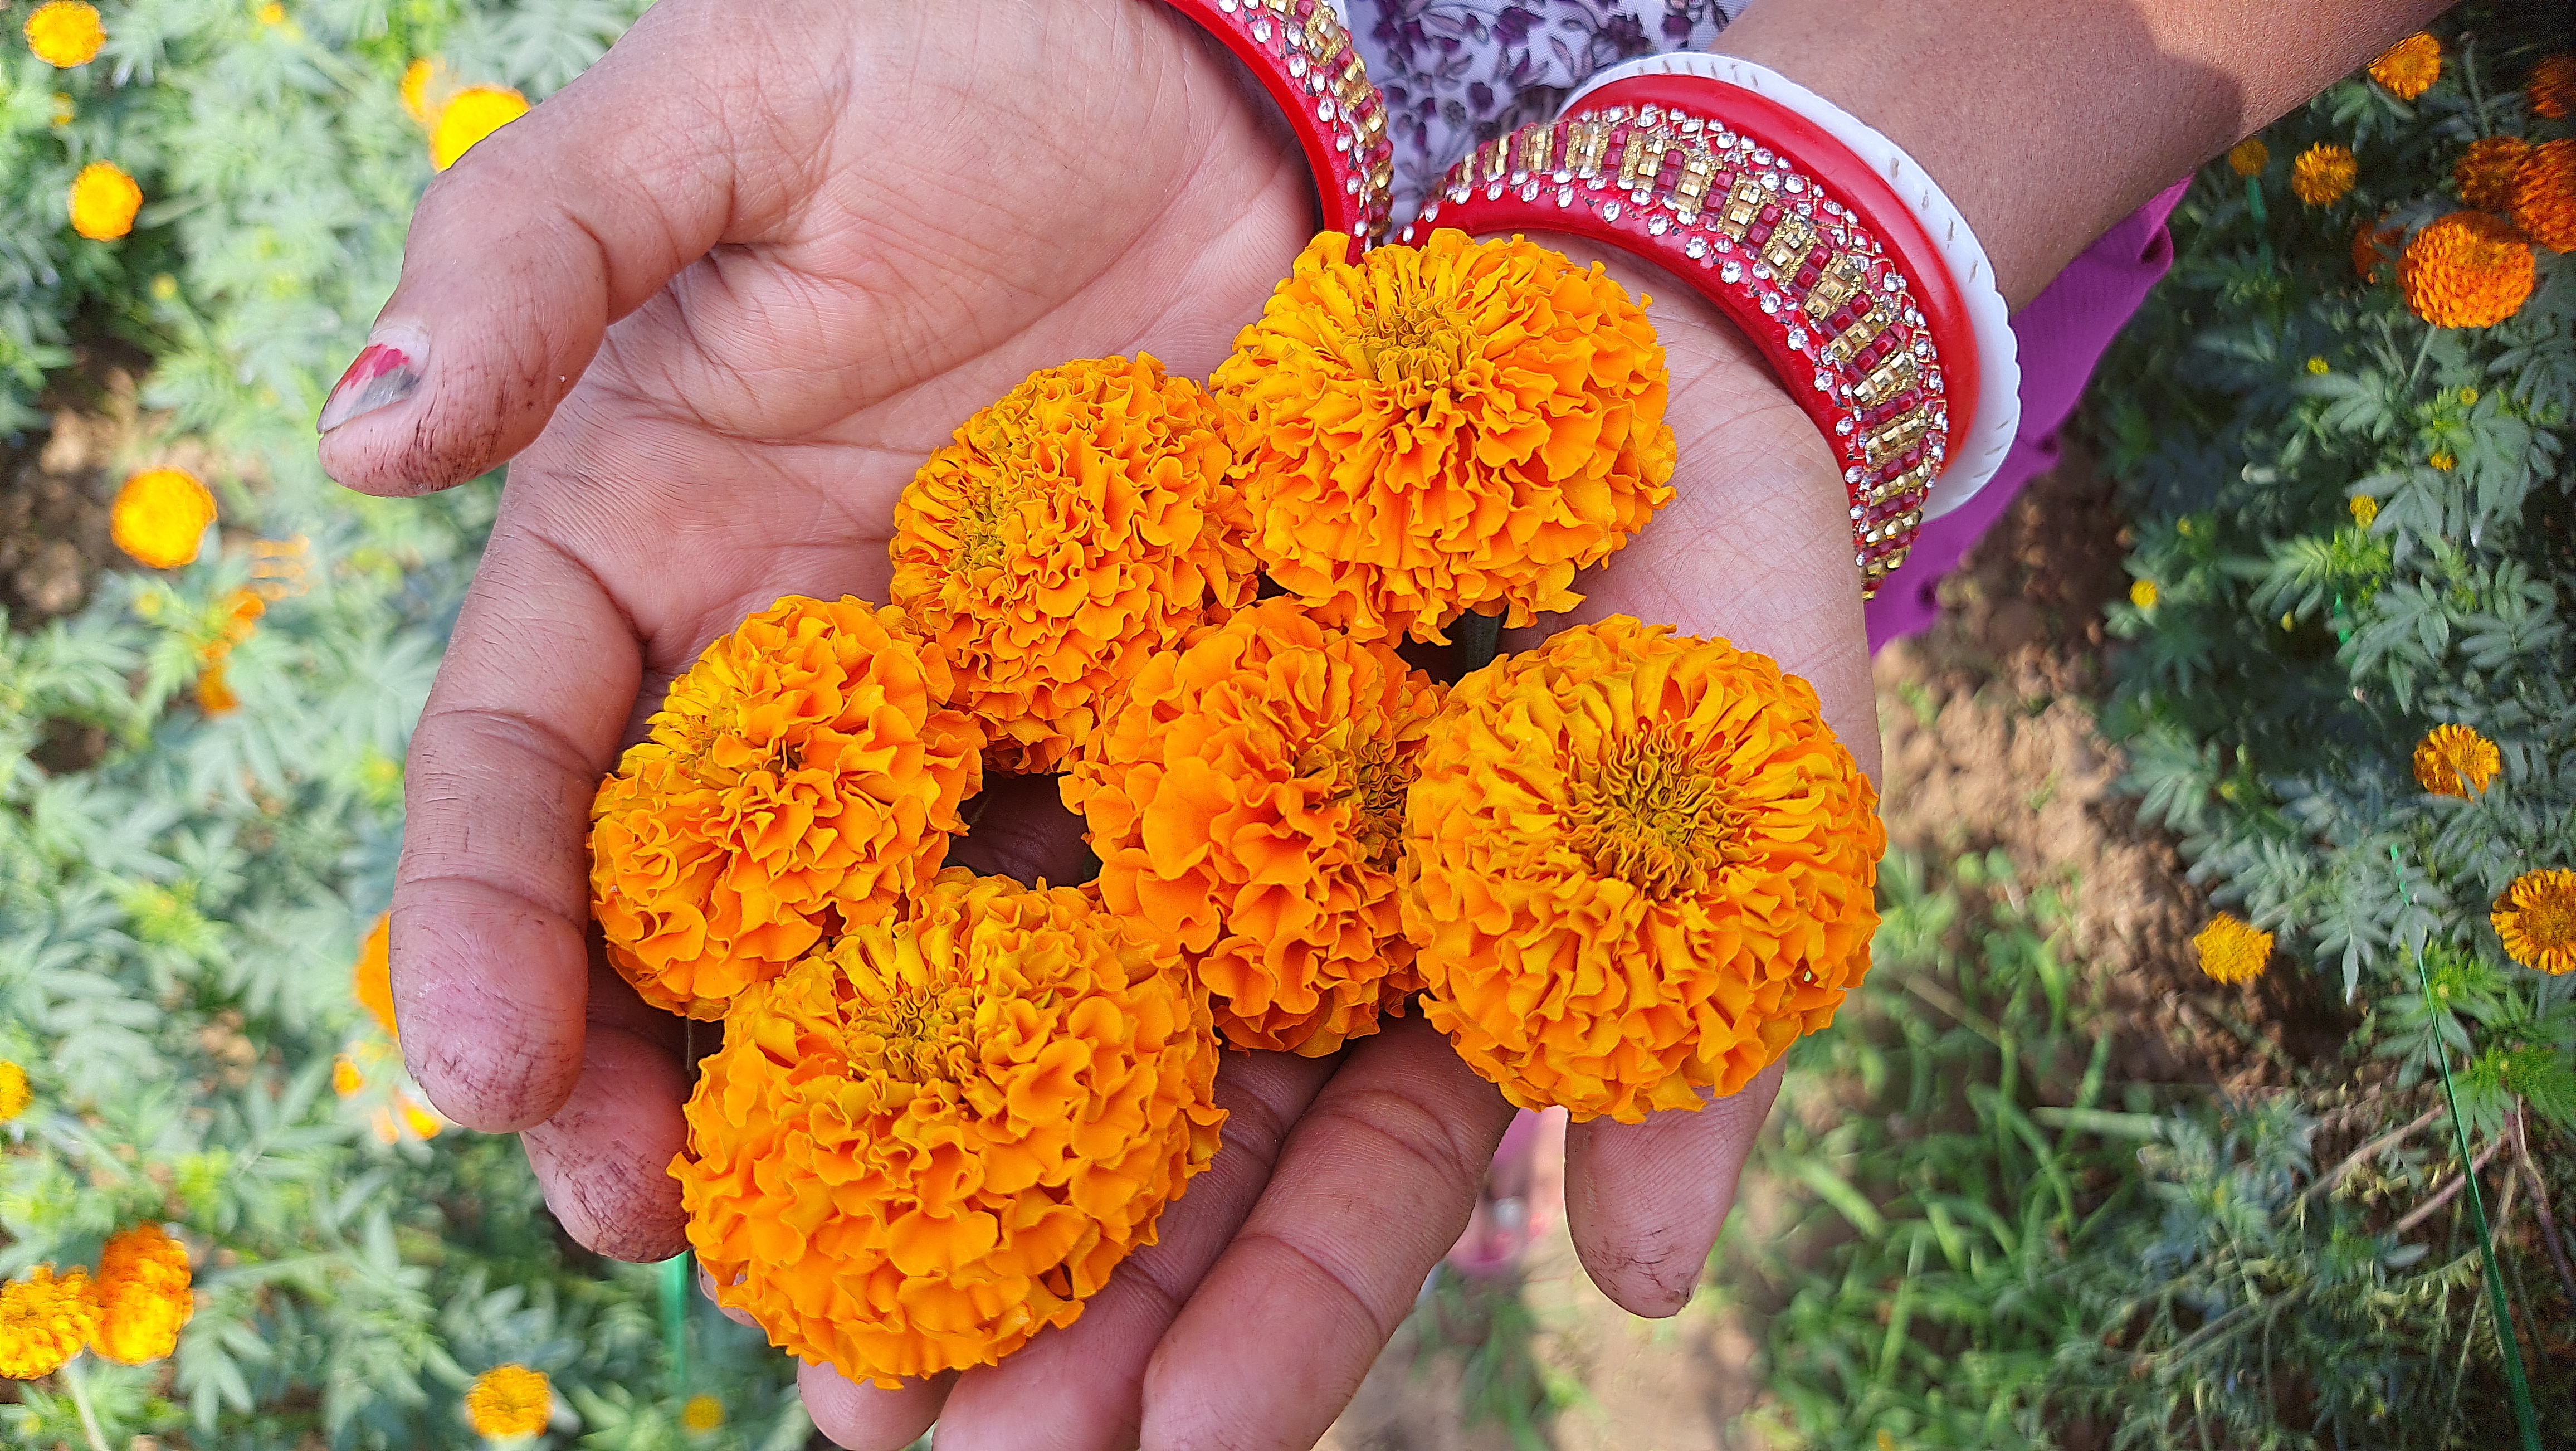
78	1384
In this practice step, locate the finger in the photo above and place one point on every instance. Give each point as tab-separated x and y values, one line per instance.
1645	1201
1081	1388
862	1417
1374	1186
492	895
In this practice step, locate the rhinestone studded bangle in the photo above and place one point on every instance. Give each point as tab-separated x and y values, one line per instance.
1788	234
1303	56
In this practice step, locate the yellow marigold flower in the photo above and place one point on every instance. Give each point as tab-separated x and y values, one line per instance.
2544	195
472	114
931	1139
2231	950
2467	270
2373	247
2536	917
2323	173
1247	806
103	201
2365	509
372	981
509	1400
804	773
424	83
14	1094
2552	87
2453	760
702	1413
65	33
1447	428
1074	528
2142	593
272	14
2319	366
2484	172
420	1118
2409	68
2443	461
1638	866
142	1296
160	517
2248	156
347	1080
44	1322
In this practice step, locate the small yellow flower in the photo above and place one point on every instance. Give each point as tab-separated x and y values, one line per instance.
2536	917
44	1322
423	83
2365	510
702	1414
2453	760
2231	950
346	1080
509	1400
2323	173
165	288
62	109
2443	461
2409	68
2142	593
420	1118
2319	366
272	14
14	1095
65	33
2248	156
476	112
160	516
104	200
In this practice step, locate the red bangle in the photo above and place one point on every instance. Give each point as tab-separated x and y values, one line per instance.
1785	231
1303	56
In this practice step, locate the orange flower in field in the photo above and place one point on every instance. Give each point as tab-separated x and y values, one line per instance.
2323	173
104	201
142	1295
373	981
800	778
2231	950
2467	270
424	91
933	1138
470	115
44	1322
509	1400
160	517
2484	172
2249	156
2544	195
1447	428
2409	68
1638	866
2374	247
1247	806
1073	529
2536	918
2552	87
2453	760
65	33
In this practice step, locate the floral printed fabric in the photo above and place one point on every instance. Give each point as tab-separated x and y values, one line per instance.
1459	72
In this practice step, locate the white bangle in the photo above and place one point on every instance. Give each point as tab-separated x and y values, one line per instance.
1998	420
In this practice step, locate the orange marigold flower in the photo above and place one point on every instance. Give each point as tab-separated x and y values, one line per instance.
142	1295
2323	173
2231	950
1639	865
2409	68
44	1322
2552	87
931	1139
160	517
2249	156
424	88
2467	270
347	1079
1247	806
2484	172
2373	247
104	200
470	115
215	691
2453	760
1447	428
2544	195
2536	917
373	979
802	776
509	1400
65	33
1073	529
14	1093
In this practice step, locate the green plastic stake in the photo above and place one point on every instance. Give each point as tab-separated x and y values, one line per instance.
675	1320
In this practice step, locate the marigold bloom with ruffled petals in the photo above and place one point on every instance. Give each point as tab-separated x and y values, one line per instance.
2249	156
65	33
372	980
1074	528
2552	86
2230	950
1246	803
104	200
2410	67
2536	918
2453	760
799	778
509	1400
2323	173
1638	865
931	1139
142	1295
14	1093
160	517
44	1322
1447	428
2484	172
470	115
2467	270
2544	195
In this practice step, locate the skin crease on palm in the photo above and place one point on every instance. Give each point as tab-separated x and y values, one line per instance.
823	241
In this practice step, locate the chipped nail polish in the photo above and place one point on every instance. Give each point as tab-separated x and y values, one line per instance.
387	371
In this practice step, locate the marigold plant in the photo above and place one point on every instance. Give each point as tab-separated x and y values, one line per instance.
2544	195
14	1093
160	517
1639	866
799	778
1074	528
2484	173
1447	428
2454	760
2409	68
2323	173
2536	919
2231	950
509	1400
1247	806
933	1138
45	1320
2467	270
142	1295
470	115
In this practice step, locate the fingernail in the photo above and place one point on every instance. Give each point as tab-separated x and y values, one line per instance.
387	371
